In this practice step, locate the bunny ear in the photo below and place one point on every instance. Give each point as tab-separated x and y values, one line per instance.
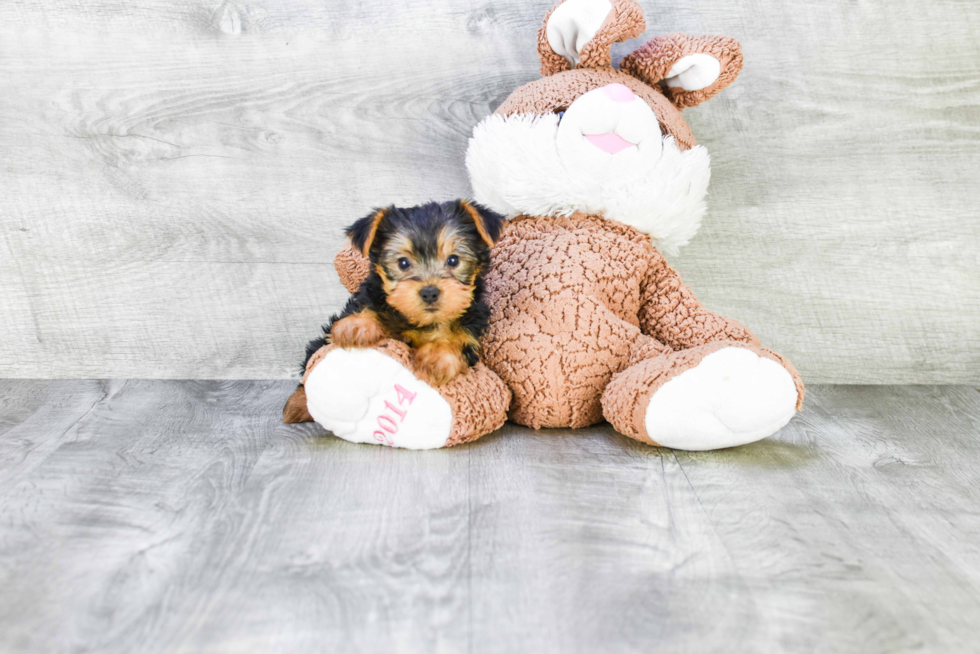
580	33
691	69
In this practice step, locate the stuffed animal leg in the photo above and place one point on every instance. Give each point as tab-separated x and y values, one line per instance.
711	386
708	397
372	395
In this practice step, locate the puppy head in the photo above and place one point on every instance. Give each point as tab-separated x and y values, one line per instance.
429	257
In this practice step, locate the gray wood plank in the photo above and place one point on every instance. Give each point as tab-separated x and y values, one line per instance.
37	418
182	517
115	540
586	541
865	515
176	174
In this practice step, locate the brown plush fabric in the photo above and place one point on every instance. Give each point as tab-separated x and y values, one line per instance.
564	296
569	297
646	347
352	267
625	21
478	398
672	314
559	91
625	399
653	61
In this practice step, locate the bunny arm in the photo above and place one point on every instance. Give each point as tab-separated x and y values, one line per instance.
671	313
352	267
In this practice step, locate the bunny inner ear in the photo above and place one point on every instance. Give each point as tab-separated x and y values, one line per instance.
693	72
573	24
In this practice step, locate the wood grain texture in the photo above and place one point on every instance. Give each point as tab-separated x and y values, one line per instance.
176	173
154	516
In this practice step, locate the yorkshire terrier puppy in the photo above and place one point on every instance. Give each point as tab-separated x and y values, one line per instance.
425	289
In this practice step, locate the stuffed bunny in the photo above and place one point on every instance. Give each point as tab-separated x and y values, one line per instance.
596	169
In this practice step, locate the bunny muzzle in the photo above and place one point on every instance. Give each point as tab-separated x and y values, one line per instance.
609	133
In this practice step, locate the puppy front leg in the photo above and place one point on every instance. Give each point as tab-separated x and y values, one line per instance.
439	362
361	329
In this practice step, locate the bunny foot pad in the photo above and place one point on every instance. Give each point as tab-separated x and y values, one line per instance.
364	396
732	397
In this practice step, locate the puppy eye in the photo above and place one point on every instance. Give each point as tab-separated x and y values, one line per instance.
404	264
561	114
452	261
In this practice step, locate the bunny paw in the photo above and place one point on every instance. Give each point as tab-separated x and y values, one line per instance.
731	397
364	396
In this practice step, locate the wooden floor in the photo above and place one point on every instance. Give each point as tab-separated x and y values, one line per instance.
150	516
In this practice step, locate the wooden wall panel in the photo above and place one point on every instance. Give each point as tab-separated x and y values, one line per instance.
176	174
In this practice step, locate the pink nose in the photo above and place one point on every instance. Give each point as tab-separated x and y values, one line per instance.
619	92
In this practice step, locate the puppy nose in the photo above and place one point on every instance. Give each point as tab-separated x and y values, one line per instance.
619	92
429	294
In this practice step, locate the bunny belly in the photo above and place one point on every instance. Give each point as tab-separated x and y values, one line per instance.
558	357
564	294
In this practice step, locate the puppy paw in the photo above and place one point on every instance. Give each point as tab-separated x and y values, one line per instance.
357	330
438	364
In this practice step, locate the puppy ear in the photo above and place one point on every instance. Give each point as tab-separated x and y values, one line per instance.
690	69
362	232
488	223
580	33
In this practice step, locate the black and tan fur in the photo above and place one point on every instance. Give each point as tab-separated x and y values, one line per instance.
431	250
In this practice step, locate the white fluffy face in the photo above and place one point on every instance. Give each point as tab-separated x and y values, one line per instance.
606	155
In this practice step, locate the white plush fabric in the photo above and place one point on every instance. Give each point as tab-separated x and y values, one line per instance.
529	164
693	72
573	24
731	398
347	392
595	113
